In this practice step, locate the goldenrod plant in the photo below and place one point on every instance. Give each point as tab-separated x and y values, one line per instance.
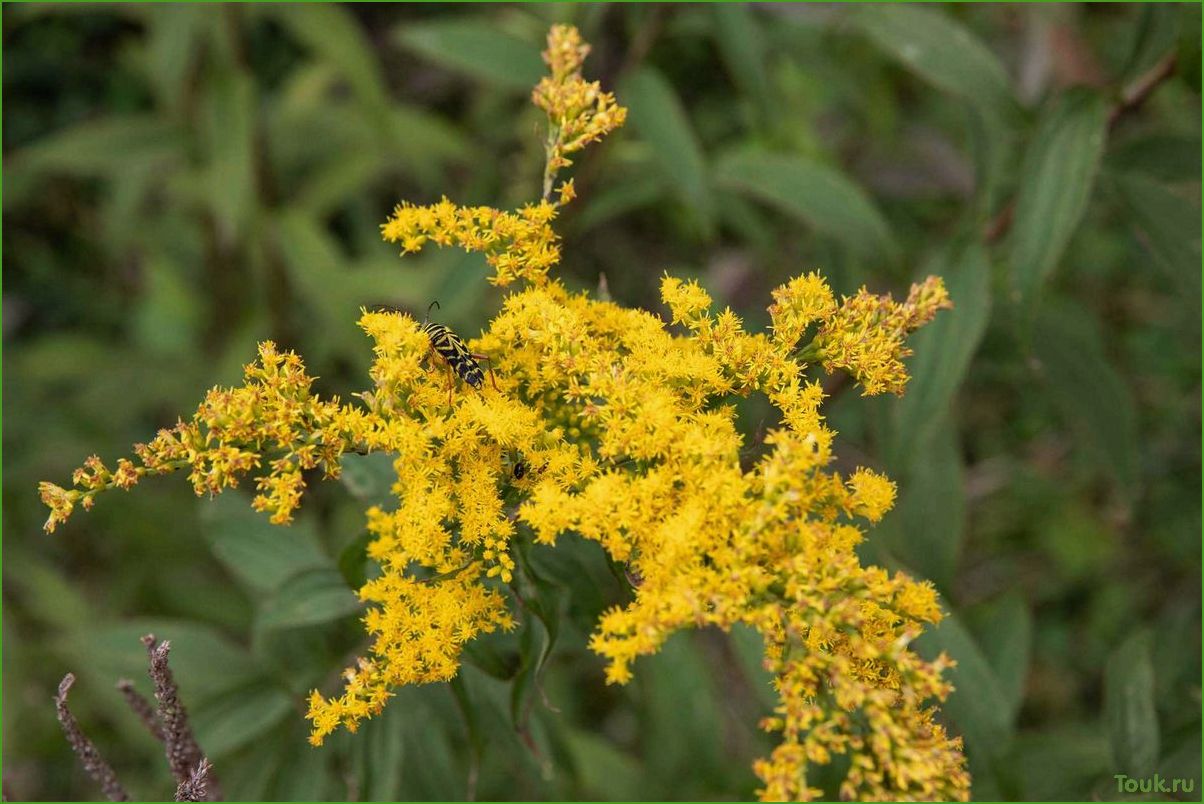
626	430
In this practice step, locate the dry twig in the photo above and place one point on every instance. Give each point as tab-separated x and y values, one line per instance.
169	724
195	788
89	757
183	754
142	708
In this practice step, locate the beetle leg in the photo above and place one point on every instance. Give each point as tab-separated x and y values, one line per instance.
489	365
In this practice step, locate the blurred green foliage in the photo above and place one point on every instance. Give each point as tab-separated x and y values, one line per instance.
182	181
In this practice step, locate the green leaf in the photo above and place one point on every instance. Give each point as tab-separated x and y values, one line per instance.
943	349
488	657
606	772
977	706
353	560
172	38
369	478
1059	764
44	592
1005	631
238	717
262	556
228	122
168	321
379	754
742	45
659	117
926	528
476	49
1155	35
247	775
1093	397
307	774
545	601
1166	223
315	596
333	33
682	714
749	648
622	199
819	195
1167	157
204	662
103	146
337	181
1056	179
1129	706
939	50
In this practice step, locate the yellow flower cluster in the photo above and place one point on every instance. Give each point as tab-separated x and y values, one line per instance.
273	418
517	245
865	336
627	426
578	111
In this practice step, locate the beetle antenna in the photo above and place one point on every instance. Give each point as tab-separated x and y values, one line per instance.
434	304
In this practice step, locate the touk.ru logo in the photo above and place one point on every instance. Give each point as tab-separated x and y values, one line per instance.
1153	784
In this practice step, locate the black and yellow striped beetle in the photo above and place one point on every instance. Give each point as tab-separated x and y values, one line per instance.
456	354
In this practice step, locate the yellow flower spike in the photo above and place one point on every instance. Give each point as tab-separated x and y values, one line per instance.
625	426
579	112
865	335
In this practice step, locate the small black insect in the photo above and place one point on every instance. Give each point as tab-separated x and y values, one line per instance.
520	469
456	354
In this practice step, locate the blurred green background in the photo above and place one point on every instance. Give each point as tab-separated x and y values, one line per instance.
182	181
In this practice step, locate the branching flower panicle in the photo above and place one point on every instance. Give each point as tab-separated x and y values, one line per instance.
578	111
628	424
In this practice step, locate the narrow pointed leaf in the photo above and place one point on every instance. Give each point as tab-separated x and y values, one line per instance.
817	194
1129	706
1056	182
476	49
660	119
930	43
